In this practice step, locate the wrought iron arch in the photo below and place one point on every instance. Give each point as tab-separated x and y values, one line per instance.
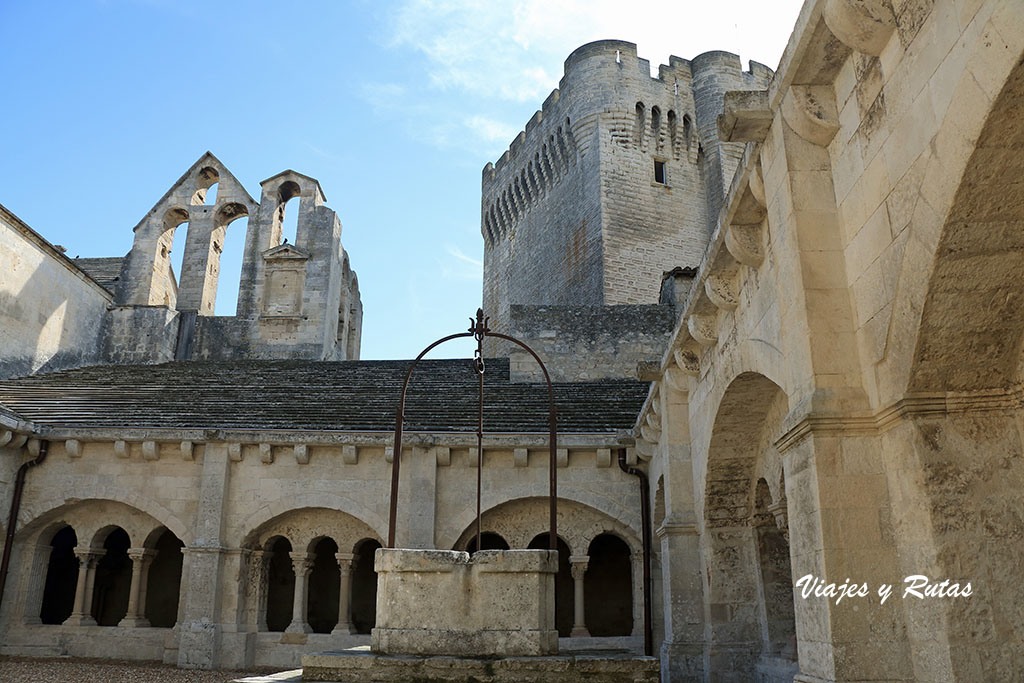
478	329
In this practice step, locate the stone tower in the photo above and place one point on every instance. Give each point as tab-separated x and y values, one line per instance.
617	179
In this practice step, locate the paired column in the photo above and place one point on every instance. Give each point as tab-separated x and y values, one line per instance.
578	564
302	563
136	615
345	563
81	614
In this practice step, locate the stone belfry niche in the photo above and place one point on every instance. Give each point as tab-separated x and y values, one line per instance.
295	300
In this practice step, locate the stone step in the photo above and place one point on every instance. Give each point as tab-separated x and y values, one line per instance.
367	667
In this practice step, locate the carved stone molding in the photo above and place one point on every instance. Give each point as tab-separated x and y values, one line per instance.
810	110
722	291
676	379
862	25
688	360
745	244
703	328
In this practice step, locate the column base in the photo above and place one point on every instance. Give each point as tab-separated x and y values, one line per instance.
134	622
579	632
80	620
342	630
301	627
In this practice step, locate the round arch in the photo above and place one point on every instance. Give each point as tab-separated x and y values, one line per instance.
328	502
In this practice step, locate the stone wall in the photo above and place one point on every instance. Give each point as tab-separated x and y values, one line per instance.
50	311
587	342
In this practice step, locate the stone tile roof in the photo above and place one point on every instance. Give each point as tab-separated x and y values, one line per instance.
105	271
10	414
346	396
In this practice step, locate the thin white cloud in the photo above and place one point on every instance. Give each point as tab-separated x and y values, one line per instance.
461	266
491	130
480	56
458	253
513	49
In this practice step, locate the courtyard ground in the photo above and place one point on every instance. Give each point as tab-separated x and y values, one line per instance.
33	670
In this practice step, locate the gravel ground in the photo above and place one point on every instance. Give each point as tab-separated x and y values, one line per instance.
31	670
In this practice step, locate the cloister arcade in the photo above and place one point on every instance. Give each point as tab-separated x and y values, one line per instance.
101	563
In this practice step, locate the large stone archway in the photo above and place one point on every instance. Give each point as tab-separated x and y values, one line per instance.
741	450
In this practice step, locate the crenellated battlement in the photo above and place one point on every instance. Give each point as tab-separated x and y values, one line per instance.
538	156
611	182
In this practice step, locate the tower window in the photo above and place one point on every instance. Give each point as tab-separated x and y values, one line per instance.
659	172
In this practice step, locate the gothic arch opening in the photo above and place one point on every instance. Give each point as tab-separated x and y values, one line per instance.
227	255
207	181
608	587
565	599
324	587
61	578
287	216
364	586
163	581
113	579
170	254
280	585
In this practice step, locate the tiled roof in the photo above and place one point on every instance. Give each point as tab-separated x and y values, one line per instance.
346	396
105	271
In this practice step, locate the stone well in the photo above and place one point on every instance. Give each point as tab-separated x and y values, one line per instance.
495	603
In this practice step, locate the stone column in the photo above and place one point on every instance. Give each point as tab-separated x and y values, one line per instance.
200	618
136	615
345	563
261	577
302	563
579	569
417	498
81	614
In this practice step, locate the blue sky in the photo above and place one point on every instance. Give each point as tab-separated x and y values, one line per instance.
394	106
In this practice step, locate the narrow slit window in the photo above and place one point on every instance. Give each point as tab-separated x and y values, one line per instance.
659	172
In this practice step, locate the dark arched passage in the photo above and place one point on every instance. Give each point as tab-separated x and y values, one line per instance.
488	541
608	588
364	587
61	578
163	584
324	584
113	580
280	585
564	596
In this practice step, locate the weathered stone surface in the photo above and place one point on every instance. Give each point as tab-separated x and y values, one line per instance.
364	666
494	603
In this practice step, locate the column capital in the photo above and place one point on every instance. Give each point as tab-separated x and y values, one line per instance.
578	566
141	554
302	562
346	560
87	556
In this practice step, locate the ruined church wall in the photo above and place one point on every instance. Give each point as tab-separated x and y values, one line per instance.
50	312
